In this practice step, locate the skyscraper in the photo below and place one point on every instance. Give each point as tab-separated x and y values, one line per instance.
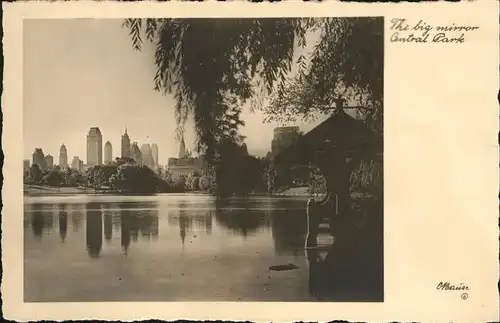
77	164
126	147
108	153
147	156
156	162
49	160
94	147
63	157
39	159
136	153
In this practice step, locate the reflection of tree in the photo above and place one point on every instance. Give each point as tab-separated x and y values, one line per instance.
243	222
63	222
288	230
185	223
94	229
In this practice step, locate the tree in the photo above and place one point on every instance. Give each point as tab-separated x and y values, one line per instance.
135	179
53	178
99	175
347	62
211	66
124	160
179	184
317	183
35	174
193	181
214	66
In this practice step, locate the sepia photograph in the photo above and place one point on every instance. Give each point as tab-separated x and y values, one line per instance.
203	159
233	161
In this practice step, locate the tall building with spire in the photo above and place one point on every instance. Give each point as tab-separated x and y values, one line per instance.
185	165
94	147
63	157
126	147
108	153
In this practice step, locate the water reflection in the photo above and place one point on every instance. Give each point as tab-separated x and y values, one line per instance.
289	232
134	227
108	226
239	217
37	220
63	222
125	218
135	221
94	229
337	276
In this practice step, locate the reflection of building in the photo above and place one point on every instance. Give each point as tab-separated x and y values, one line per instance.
283	137
135	153
77	164
94	147
108	153
39	159
49	160
108	226
154	147
126	145
125	230
94	230
63	222
26	165
185	165
63	157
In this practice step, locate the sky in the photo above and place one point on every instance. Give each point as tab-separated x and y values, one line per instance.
83	73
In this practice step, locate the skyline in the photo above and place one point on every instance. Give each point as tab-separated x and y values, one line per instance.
98	80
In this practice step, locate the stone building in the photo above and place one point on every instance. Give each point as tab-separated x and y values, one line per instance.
283	138
63	157
184	165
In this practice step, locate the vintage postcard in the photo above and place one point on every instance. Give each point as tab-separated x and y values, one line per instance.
262	162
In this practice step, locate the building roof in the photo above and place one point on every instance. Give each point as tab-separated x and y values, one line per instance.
339	130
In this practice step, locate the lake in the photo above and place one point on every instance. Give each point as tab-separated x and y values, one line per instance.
168	247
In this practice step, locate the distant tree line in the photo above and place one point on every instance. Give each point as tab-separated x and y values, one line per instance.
235	172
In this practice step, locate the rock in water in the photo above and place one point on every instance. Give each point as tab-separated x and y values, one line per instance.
283	267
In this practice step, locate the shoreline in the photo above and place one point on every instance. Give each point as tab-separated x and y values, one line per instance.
42	190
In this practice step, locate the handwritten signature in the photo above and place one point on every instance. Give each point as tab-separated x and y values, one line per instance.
450	286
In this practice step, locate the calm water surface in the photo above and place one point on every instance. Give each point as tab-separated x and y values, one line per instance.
163	248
